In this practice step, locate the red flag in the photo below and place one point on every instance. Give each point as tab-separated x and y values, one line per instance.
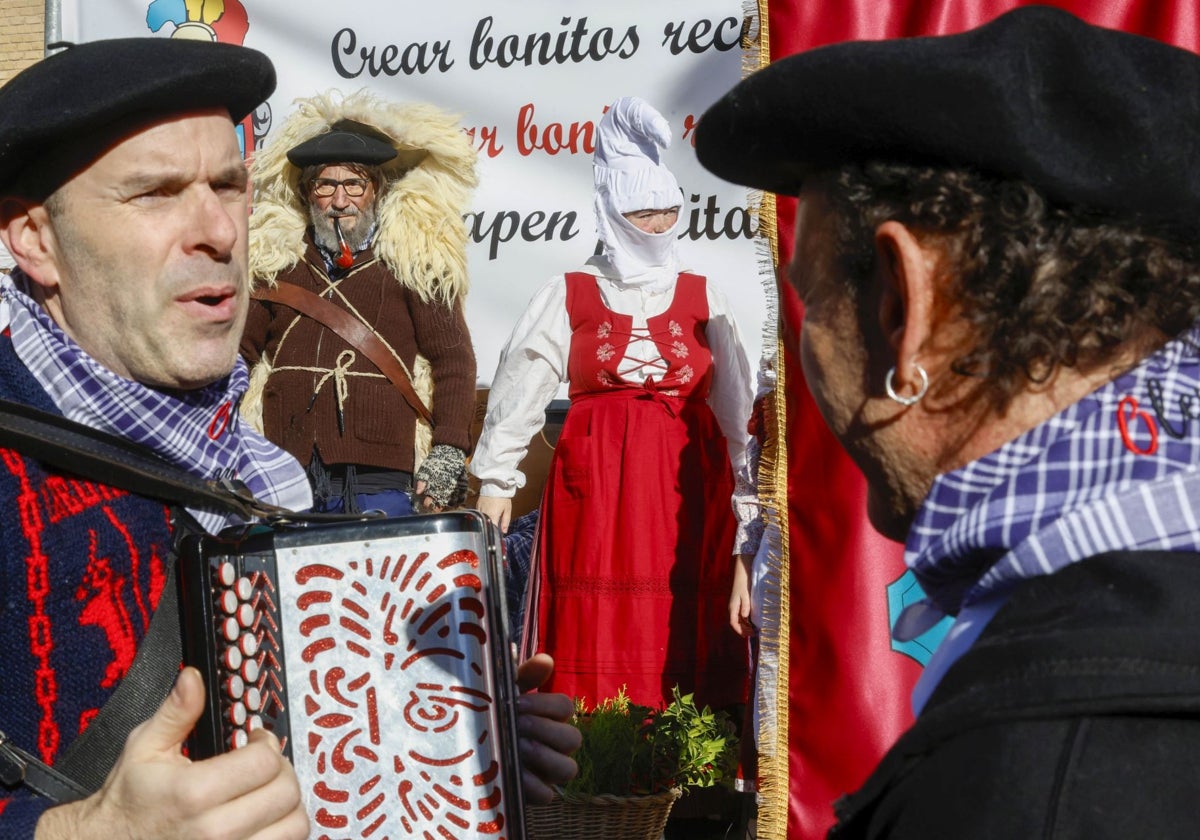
847	686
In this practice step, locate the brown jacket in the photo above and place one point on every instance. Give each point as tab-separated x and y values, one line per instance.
301	398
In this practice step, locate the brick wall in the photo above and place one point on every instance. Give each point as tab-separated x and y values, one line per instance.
23	41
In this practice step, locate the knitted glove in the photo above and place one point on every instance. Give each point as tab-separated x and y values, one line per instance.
444	472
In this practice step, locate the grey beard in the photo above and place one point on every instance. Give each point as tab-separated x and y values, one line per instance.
356	229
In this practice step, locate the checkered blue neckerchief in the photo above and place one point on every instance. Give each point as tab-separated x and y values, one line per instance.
199	431
1120	469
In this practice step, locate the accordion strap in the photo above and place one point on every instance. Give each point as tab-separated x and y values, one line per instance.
75	448
19	767
144	687
100	456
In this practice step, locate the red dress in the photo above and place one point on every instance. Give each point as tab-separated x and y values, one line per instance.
635	566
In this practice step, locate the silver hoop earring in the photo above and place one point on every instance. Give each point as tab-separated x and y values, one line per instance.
915	398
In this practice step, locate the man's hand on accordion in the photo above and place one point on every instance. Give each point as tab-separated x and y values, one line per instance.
547	739
154	791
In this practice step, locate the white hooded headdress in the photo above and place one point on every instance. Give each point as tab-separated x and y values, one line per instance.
629	175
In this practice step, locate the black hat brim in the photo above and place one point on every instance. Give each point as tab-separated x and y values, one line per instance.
79	93
1091	116
346	141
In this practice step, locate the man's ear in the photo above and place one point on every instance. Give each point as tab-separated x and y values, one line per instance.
906	304
28	235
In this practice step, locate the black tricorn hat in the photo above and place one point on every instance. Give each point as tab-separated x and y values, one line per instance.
65	110
1090	116
347	141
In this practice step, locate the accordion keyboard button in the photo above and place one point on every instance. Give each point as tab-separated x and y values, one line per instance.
226	574
245	615
228	601
248	644
244	589
237	714
238	739
252	699
230	629
249	671
235	686
231	659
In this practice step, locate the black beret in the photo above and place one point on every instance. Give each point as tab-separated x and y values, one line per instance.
346	141
78	97
1090	116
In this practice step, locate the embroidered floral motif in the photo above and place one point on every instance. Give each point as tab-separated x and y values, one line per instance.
686	373
671	392
679	349
604	378
604	352
603	330
676	330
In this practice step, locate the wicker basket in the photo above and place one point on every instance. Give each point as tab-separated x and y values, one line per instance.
579	817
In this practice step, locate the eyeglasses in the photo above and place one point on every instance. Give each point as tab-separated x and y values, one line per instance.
325	187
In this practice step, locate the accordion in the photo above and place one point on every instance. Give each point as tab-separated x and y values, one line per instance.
377	650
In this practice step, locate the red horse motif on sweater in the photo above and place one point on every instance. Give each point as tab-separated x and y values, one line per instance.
105	609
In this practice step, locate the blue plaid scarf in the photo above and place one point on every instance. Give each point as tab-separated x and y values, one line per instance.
199	431
1117	470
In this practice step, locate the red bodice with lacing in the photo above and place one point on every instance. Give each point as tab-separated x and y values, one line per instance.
600	337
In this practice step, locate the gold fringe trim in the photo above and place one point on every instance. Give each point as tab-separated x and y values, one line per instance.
774	632
776	621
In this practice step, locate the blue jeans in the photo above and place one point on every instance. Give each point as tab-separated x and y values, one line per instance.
391	502
367	487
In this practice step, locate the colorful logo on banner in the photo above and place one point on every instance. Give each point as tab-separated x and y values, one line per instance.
202	20
211	20
901	592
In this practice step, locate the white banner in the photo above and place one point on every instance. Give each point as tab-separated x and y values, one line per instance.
530	79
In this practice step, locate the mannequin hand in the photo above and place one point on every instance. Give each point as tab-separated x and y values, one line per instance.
496	509
739	598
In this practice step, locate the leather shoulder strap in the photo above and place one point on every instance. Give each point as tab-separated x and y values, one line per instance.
353	331
18	767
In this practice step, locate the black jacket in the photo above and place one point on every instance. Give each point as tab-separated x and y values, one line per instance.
1076	714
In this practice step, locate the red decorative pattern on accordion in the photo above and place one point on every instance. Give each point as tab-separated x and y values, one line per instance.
375	661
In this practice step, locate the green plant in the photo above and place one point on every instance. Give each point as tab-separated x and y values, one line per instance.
635	750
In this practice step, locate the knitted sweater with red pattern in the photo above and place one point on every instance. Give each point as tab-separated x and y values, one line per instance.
82	566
